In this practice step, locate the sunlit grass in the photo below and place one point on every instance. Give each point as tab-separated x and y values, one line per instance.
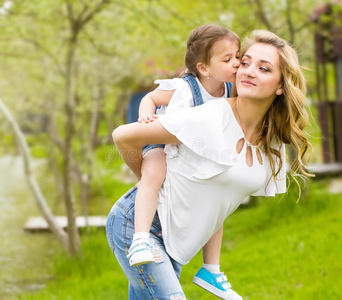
272	249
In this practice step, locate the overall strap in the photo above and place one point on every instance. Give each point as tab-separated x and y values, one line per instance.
195	90
229	89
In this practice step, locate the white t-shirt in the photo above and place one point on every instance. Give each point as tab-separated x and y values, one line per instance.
182	99
206	178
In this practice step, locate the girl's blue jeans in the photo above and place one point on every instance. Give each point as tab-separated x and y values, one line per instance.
156	280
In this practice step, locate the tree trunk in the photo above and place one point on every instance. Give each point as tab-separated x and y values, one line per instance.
74	239
53	133
263	16
289	22
58	232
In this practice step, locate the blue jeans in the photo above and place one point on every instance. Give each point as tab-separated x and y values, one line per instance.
150	147
156	280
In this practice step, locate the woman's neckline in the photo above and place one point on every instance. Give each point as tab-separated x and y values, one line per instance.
237	124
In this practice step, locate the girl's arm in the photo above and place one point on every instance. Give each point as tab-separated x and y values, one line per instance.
150	102
147	114
130	138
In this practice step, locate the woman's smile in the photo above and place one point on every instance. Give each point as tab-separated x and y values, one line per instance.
247	83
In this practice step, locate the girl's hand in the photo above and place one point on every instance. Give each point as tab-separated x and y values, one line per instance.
148	118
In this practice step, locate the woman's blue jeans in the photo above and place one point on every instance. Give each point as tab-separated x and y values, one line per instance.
156	280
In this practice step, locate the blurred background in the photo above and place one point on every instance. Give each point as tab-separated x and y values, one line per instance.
71	71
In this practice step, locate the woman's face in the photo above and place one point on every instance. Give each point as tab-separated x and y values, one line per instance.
259	76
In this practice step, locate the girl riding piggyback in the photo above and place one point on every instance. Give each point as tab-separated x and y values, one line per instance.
212	60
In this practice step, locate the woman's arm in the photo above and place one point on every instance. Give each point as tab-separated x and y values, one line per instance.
130	138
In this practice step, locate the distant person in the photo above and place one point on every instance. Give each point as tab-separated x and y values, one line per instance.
225	150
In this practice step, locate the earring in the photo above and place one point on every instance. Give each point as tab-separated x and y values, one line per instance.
207	77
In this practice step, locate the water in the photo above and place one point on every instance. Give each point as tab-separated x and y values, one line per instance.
23	256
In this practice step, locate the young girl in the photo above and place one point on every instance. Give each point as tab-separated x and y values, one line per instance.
212	59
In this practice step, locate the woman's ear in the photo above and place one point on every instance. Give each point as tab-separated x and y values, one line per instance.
202	68
279	91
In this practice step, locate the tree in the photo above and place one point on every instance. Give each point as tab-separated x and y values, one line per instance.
40	200
77	62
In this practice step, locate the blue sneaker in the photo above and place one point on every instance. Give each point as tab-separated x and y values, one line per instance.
216	284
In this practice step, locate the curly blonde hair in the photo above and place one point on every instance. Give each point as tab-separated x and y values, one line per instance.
287	115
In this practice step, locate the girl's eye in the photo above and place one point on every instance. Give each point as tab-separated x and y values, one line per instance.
228	60
264	69
244	63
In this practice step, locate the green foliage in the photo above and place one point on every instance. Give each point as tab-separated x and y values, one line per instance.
7	143
38	144
127	45
107	174
91	277
272	249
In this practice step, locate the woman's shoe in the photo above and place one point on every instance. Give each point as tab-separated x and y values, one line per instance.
140	253
216	284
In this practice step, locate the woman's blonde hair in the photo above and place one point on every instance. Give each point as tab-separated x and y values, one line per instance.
287	116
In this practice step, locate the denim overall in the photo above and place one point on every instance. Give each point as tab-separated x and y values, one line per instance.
160	279
198	100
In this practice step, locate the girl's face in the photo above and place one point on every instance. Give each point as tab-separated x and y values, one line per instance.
259	76
224	61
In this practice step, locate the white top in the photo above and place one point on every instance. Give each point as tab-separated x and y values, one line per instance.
182	99
206	178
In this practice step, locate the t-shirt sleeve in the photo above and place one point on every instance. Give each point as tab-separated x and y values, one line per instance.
202	130
170	84
277	185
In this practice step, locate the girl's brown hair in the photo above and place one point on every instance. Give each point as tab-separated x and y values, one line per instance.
200	44
287	116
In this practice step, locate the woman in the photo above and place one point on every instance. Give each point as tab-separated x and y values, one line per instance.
226	147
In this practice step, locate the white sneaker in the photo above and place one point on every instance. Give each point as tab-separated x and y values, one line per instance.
140	253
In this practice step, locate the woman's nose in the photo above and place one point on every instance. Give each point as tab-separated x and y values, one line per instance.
249	71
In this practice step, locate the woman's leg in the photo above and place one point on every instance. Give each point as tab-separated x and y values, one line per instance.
131	293
158	280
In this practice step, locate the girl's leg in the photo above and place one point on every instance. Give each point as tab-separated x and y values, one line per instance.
153	172
211	250
209	276
157	280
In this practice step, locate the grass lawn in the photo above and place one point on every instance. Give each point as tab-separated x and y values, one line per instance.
272	249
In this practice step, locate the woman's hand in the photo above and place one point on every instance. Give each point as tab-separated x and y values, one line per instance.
147	118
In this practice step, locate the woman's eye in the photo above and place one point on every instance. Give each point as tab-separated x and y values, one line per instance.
244	63
227	60
264	69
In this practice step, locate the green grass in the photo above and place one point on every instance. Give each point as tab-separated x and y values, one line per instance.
272	249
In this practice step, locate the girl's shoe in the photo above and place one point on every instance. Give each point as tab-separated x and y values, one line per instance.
140	253
216	284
